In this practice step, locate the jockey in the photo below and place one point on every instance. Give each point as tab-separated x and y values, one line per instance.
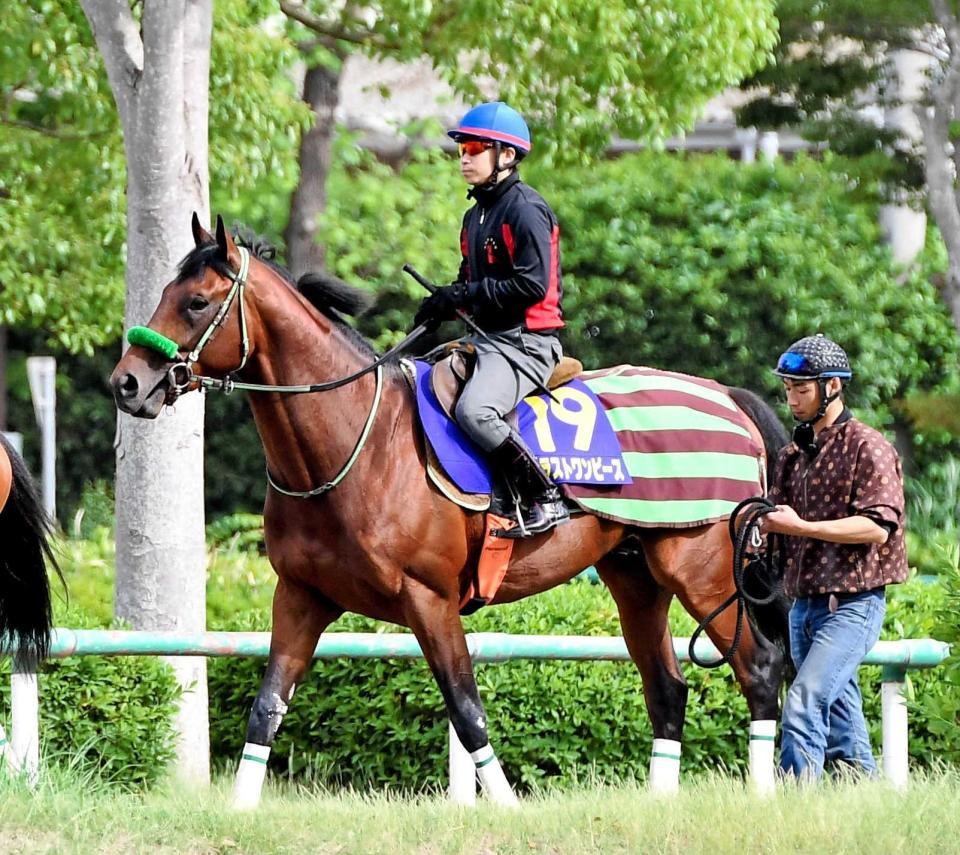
510	282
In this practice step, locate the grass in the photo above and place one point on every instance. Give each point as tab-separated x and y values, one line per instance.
711	815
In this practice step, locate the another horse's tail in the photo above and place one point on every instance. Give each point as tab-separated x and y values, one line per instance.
772	620
26	614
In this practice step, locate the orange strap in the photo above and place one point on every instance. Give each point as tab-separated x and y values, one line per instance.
494	560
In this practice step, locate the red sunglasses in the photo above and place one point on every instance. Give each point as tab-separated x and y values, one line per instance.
473	147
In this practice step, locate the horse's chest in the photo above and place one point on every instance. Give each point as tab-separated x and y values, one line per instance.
341	569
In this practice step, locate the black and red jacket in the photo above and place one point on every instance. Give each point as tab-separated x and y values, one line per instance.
510	243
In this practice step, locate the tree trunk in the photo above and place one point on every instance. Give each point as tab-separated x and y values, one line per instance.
304	253
904	226
941	179
159	84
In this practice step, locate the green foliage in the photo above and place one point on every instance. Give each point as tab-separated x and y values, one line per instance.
377	220
713	267
242	532
89	570
581	70
107	715
64	227
86	426
941	704
63	238
381	723
238	582
933	411
933	517
698	263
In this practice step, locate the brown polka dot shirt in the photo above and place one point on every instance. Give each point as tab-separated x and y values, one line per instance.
856	473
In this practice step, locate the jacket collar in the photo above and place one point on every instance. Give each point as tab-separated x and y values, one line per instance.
486	196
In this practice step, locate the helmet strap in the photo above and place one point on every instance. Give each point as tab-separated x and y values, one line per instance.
803	434
491	182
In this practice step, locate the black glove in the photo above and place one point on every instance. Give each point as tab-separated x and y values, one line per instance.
441	305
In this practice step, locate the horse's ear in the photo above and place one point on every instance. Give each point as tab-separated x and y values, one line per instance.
200	234
227	249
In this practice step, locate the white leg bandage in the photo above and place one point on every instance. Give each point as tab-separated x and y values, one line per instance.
665	766
250	775
492	779
763	733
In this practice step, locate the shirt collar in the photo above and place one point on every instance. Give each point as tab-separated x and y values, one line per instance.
826	434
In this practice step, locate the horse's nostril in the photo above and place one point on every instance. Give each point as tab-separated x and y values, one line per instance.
128	387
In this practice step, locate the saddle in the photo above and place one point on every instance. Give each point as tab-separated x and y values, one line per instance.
449	375
451	372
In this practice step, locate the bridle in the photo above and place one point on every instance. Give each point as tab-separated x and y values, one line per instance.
181	377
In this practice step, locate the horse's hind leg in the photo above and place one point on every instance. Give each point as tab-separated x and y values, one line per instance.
435	620
299	616
700	570
643	607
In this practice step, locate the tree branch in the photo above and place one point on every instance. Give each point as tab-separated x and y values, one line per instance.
51	132
947	20
298	12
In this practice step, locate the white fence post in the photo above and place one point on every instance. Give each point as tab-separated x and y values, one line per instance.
895	750
463	774
25	717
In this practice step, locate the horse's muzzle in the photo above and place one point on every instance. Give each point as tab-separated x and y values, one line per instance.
136	399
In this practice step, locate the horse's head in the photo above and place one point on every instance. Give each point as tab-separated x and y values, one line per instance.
199	327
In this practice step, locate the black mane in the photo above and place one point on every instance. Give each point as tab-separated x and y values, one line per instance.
333	297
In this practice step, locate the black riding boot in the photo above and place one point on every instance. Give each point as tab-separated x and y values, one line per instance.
541	505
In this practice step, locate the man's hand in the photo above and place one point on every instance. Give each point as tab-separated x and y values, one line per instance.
442	304
785	520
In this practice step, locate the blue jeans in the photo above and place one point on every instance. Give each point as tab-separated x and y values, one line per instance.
823	711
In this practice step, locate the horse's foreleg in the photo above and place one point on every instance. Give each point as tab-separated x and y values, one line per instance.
435	621
299	616
643	606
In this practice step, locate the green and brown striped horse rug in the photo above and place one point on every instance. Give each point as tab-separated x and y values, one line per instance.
685	444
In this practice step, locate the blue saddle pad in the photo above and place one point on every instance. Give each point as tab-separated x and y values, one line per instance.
570	436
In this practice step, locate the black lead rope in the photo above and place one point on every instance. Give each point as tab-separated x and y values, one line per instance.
741	530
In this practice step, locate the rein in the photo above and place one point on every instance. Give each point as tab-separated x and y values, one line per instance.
744	533
182	378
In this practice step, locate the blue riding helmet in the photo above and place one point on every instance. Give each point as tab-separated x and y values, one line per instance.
814	358
494	121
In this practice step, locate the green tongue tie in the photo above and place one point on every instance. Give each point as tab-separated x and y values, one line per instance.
146	337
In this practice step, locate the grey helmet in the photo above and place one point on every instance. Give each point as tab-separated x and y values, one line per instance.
813	358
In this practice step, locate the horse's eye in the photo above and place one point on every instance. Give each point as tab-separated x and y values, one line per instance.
198	304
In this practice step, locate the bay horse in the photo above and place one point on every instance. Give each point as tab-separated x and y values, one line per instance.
385	542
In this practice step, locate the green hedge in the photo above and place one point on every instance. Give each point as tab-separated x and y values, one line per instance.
381	723
108	715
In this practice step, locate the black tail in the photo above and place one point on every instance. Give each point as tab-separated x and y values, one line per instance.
25	610
772	619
